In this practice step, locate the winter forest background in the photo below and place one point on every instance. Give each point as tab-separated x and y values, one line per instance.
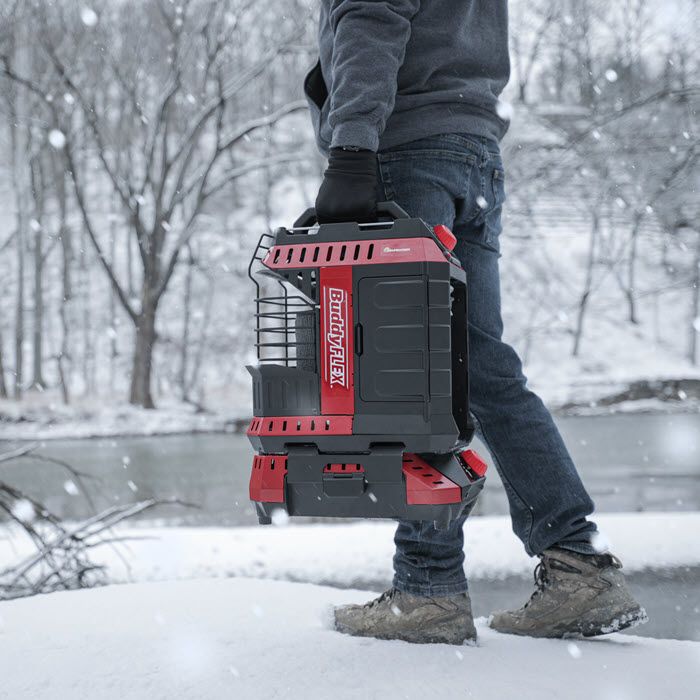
145	146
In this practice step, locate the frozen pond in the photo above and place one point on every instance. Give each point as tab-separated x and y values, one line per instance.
628	462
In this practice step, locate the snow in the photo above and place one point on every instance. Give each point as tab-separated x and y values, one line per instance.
246	638
352	553
88	16
57	139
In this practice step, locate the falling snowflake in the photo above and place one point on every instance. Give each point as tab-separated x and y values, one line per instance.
126	461
481	202
372	498
34	225
600	542
280	517
611	75
132	486
504	110
191	99
69	99
595	134
23	510
70	488
57	139
459	655
696	324
396	610
574	650
88	16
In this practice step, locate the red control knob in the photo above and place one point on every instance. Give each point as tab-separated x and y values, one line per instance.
474	462
445	236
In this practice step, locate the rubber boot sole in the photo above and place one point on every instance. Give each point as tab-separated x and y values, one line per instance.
592	624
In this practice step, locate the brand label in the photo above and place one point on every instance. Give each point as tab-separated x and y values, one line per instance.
336	334
387	249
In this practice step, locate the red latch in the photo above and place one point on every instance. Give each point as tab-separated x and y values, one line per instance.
474	462
445	236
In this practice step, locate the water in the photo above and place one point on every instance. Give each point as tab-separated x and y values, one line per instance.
628	463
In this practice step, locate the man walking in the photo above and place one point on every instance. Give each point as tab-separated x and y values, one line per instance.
404	104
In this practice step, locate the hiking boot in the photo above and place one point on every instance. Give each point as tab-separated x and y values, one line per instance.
398	615
576	595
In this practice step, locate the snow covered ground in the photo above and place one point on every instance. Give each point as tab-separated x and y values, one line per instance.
349	554
246	638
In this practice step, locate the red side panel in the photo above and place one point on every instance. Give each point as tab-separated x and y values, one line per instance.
337	328
267	478
427	486
301	425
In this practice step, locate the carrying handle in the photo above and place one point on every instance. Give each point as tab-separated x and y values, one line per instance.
386	209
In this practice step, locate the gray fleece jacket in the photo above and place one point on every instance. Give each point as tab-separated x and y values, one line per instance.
391	71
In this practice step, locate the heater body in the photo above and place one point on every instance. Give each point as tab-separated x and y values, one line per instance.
360	392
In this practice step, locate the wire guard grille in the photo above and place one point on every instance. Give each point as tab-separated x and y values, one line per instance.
285	319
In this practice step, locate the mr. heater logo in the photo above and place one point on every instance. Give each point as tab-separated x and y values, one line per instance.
387	249
336	336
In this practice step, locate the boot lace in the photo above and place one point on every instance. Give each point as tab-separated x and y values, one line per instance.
541	580
387	596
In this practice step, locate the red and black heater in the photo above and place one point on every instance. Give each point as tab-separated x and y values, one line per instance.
360	392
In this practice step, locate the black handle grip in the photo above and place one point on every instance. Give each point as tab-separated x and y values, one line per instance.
386	209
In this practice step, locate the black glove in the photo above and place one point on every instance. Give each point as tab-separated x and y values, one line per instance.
349	188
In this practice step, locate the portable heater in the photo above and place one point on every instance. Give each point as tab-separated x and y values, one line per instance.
360	392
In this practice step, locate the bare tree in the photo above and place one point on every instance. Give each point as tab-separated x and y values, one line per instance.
530	22
159	134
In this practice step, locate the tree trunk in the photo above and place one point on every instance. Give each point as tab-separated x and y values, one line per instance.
185	343
3	386
632	270
695	306
140	392
38	327
585	296
38	335
66	281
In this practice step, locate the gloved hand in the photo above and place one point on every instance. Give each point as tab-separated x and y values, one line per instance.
349	188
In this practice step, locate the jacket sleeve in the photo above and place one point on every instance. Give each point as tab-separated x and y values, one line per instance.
369	45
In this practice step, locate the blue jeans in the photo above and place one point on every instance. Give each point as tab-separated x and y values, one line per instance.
458	180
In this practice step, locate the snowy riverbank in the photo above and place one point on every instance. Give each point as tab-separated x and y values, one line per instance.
346	555
246	638
45	417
